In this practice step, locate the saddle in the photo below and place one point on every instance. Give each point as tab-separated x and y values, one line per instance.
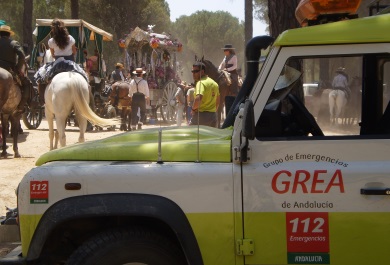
227	76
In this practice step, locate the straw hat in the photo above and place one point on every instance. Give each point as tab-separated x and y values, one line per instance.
7	29
119	65
340	70
228	47
139	71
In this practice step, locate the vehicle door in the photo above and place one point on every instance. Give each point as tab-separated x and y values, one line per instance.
315	187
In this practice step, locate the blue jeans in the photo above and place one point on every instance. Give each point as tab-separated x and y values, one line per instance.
188	114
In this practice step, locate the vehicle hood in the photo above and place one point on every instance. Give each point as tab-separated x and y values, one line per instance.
178	144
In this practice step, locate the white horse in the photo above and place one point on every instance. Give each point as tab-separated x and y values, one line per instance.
67	91
337	102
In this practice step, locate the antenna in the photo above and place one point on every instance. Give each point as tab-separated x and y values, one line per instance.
159	159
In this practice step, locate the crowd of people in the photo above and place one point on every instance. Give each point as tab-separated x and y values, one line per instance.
198	100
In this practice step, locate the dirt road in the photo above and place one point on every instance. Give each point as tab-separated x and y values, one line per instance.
33	143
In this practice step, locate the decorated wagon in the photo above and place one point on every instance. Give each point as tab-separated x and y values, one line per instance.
156	53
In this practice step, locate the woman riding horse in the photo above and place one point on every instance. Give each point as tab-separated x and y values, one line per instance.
229	64
63	49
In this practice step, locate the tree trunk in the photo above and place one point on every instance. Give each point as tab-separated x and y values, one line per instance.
282	17
27	26
248	20
74	9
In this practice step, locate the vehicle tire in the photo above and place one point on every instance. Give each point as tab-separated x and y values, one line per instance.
111	114
136	246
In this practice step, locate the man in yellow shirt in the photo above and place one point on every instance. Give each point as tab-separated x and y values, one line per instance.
204	109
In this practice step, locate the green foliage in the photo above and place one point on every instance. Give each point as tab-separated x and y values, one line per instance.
9	12
204	33
261	10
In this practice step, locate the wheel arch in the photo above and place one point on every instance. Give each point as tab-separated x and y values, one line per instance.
104	208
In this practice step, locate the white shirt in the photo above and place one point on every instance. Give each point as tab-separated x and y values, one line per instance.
65	52
179	95
232	61
142	86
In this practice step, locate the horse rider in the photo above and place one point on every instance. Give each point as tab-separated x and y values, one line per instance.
12	59
229	64
340	81
63	49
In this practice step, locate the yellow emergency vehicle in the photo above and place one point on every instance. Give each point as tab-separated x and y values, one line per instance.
279	184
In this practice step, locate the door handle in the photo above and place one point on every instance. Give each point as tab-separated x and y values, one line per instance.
366	191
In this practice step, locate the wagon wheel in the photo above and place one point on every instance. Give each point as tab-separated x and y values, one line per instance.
34	113
168	108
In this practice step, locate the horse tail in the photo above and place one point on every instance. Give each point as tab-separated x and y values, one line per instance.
81	105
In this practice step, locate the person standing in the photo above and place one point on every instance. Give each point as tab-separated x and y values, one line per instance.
180	100
229	64
93	64
204	109
117	74
12	59
139	94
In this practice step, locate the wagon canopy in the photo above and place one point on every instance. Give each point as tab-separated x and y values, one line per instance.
155	52
82	31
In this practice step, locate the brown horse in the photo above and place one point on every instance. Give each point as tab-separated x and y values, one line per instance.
225	88
10	97
120	99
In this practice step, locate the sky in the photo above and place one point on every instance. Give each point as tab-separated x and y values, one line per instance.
234	7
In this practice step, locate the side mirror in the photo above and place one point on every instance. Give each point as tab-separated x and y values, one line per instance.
248	121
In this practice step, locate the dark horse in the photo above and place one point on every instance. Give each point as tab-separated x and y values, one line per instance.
225	89
10	97
119	99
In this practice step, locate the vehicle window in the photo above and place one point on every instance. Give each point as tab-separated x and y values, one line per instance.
386	85
326	100
385	120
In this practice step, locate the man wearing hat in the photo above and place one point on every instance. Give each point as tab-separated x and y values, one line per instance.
117	74
229	64
139	94
12	59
